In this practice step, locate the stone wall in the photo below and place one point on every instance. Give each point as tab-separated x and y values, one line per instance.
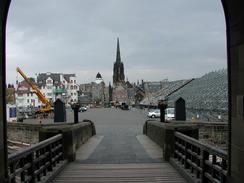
73	136
214	133
28	133
163	134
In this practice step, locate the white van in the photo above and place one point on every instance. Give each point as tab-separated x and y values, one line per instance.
169	114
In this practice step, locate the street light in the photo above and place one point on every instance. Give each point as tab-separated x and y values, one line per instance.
162	105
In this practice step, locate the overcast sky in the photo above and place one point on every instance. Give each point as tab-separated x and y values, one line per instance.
159	39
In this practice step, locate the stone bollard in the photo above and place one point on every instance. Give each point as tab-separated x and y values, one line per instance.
59	111
76	108
162	105
180	110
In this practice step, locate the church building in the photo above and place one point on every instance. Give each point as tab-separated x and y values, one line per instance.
119	86
98	90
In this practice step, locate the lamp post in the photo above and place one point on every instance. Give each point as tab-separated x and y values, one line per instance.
162	105
76	108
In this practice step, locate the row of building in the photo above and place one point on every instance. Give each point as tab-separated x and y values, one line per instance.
52	85
66	88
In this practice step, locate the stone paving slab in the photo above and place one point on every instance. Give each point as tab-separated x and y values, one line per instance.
120	143
88	148
152	149
119	149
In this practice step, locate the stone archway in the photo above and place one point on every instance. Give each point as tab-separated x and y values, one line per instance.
234	13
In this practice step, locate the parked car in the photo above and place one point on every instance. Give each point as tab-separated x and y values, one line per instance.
124	106
169	114
154	113
82	109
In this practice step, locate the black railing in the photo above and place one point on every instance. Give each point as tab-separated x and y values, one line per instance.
201	162
35	162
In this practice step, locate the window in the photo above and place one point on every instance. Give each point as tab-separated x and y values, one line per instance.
28	100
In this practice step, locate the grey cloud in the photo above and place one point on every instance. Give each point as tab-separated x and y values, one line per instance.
78	36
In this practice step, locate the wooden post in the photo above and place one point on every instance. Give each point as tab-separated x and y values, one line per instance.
31	170
205	156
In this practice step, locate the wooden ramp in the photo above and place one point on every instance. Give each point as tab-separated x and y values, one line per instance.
106	173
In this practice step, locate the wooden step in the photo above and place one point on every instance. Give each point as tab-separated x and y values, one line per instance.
151	172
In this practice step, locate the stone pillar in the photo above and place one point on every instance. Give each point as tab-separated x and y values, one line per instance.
180	110
4	6
59	111
234	13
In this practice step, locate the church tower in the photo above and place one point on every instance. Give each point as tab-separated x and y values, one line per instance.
118	75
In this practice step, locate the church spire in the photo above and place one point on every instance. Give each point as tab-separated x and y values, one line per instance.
118	59
118	75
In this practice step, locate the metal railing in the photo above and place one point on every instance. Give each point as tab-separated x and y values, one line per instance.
35	162
202	162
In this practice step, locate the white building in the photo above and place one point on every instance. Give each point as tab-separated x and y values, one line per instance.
56	85
52	85
25	96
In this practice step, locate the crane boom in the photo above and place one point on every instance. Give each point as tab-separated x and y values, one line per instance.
39	94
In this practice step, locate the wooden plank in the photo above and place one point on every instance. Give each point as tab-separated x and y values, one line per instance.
151	172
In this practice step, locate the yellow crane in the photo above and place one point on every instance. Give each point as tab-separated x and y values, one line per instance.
47	107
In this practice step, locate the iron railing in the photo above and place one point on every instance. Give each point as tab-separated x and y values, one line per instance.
201	162
33	163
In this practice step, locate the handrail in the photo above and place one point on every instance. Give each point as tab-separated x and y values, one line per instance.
35	147
204	146
202	161
33	163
